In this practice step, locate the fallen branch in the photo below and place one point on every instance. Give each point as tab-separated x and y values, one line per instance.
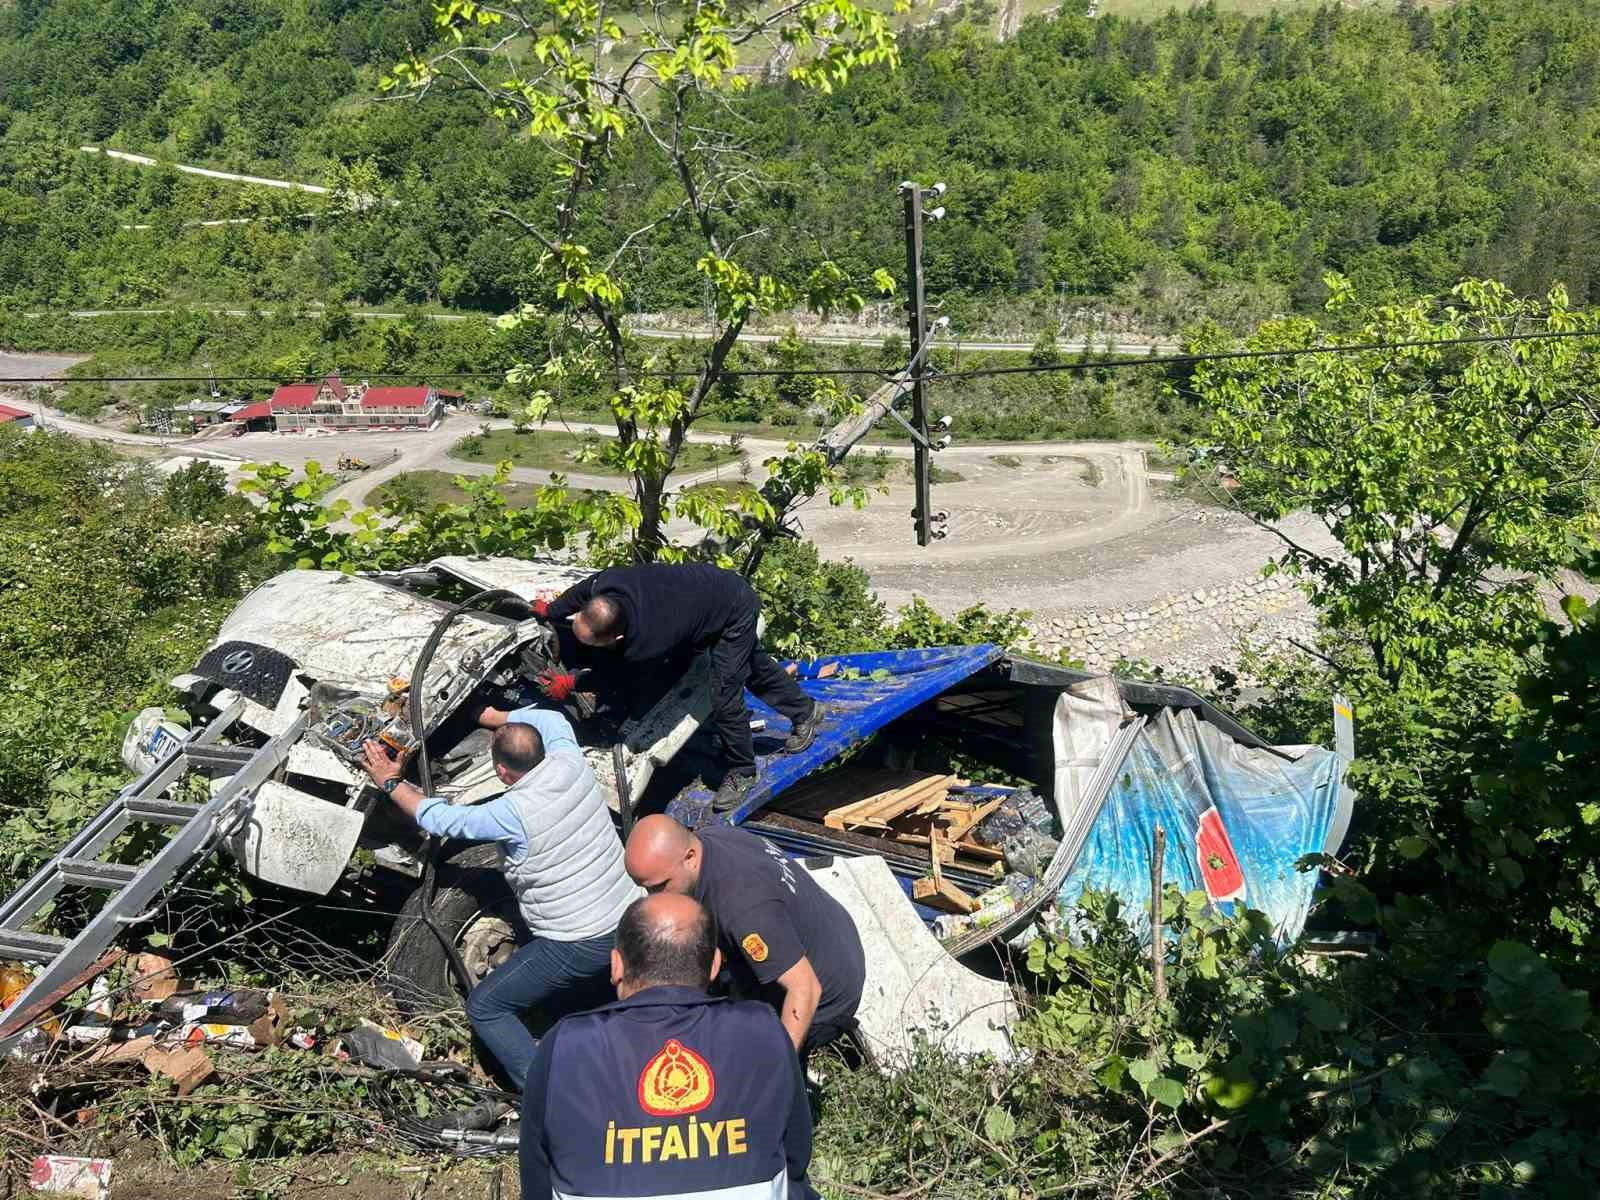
1179	1151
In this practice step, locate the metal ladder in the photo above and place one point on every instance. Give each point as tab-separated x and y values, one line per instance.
131	886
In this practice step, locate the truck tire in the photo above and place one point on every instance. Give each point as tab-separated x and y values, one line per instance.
474	908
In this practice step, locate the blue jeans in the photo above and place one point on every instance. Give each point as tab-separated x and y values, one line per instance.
560	977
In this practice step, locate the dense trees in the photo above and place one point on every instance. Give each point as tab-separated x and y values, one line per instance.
1202	163
110	574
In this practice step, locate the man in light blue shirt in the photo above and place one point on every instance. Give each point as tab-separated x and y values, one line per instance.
562	858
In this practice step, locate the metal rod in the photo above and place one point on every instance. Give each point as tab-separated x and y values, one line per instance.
1158	942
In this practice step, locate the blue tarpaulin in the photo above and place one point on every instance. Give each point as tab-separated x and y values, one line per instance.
1236	818
863	693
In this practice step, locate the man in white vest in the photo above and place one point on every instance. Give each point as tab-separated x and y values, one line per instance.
563	860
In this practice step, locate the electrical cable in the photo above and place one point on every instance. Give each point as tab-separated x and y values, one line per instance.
1096	364
1183	360
647	372
466	1132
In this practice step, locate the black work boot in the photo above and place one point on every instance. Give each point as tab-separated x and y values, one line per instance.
735	788
804	732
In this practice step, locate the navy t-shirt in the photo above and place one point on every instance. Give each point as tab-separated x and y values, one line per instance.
770	913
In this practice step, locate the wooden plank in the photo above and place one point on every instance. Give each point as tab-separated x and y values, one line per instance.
890	805
988	853
811	798
934	804
944	895
835	817
908	798
960	828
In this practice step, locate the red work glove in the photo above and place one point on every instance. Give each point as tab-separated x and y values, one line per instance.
558	685
539	608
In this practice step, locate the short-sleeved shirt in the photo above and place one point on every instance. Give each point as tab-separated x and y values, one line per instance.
770	913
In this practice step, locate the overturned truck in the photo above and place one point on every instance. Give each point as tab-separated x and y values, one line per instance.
313	663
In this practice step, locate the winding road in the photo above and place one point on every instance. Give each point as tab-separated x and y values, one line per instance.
1036	504
644	329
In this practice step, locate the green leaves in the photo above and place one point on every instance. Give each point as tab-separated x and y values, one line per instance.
1166	1091
999	1125
1444	483
583	81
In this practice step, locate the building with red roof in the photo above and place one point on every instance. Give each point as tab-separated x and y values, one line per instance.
332	404
16	418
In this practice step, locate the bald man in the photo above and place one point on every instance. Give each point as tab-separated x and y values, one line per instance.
785	939
562	859
667	1092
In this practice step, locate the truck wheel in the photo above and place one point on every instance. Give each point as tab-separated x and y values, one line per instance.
474	908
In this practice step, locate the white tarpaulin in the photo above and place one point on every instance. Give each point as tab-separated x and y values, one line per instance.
913	986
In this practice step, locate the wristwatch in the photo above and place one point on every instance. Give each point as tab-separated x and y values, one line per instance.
389	785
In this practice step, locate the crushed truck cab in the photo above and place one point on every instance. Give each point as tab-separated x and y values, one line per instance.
342	648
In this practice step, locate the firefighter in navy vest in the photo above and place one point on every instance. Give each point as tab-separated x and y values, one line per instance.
667	1092
562	859
654	619
786	940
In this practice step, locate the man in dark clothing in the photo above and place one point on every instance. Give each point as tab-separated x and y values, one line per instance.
666	1092
659	616
783	936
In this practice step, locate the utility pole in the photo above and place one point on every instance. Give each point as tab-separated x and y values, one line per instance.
930	526
912	194
838	441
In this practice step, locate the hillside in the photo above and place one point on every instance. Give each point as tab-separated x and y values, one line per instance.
1204	164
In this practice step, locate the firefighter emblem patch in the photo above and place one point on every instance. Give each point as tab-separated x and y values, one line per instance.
676	1082
754	947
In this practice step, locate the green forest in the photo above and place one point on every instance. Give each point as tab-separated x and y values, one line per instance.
1204	164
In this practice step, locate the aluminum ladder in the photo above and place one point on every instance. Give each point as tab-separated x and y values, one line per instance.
66	962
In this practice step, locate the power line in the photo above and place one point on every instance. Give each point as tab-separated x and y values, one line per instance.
884	373
1096	364
1181	360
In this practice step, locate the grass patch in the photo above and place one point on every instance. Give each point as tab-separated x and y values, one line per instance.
882	468
739	487
1157	459
1205	488
429	489
1009	461
557	450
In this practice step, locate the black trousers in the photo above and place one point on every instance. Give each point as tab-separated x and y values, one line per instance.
737	663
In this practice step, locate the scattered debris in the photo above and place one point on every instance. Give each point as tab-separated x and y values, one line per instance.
239	1007
374	1046
189	1067
994	905
60	1175
939	812
1020	810
155	978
